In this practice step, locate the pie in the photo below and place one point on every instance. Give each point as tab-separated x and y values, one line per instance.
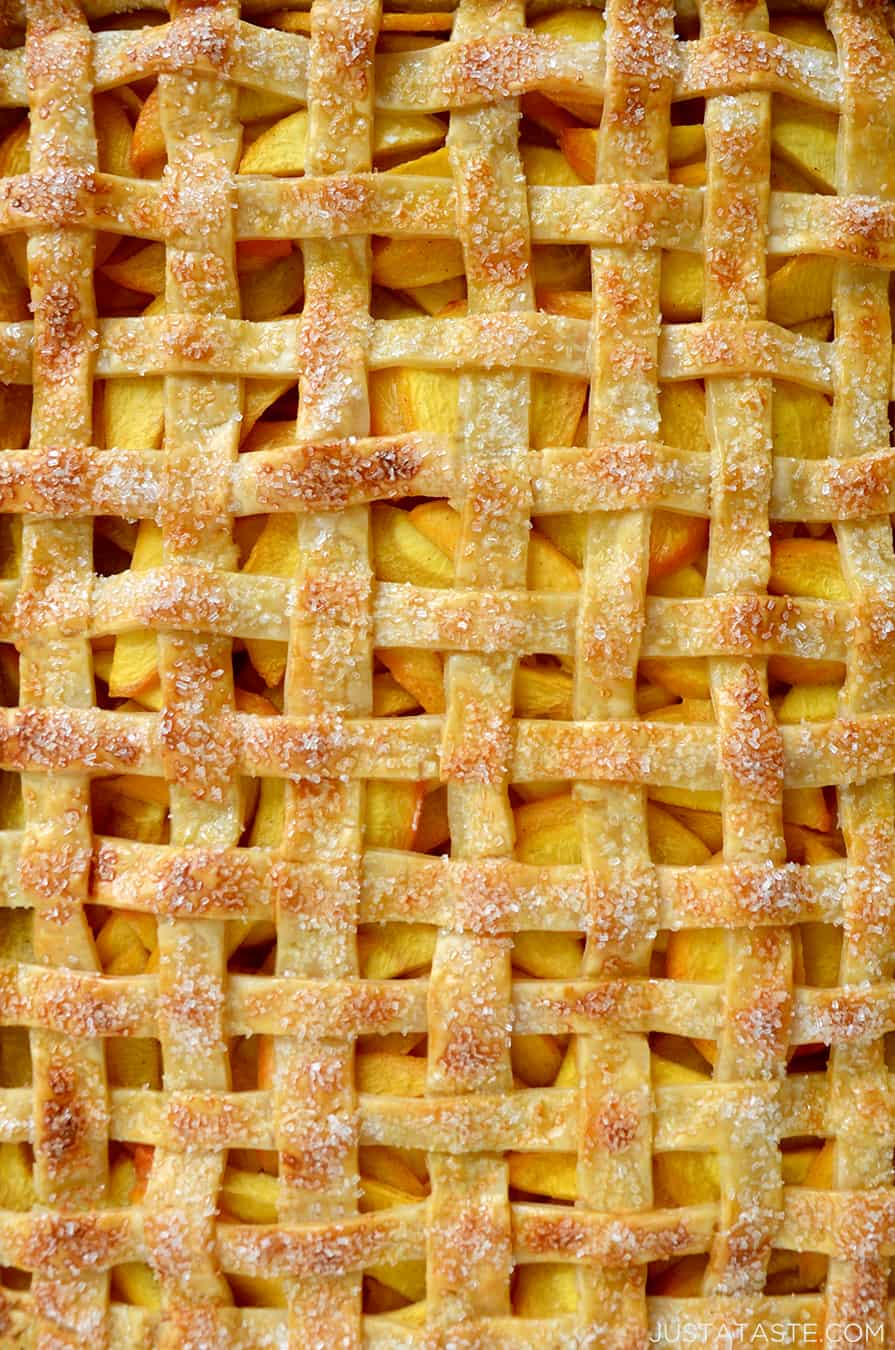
448	727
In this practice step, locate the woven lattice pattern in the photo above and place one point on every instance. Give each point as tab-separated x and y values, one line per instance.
551	1100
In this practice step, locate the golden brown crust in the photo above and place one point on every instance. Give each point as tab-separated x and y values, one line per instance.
319	882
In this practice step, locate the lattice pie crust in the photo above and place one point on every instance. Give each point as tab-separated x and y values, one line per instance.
447	598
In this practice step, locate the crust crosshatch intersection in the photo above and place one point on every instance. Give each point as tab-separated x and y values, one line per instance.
447	824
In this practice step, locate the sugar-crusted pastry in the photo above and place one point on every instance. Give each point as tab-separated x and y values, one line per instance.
447	823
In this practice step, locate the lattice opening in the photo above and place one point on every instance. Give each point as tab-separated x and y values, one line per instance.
251	662
407	682
131	806
396	1292
13	247
262	811
792	1272
406	1168
256	1291
544	1177
11	805
677	1279
15	1057
271	279
395	951
537	1061
130	281
542	688
679	1059
548	956
113	548
801	417
392	1065
684	826
16	1177
547	1289
11	526
15	1280
269	409
811	827
657	955
250	946
678	555
819	946
249	1060
805	1161
126	672
129	1169
9	676
548	824
808	1059
686	1177
681	286
803	139
126	940
804	690
136	1284
392	814
248	1190
674	689
134	1061
433	828
682	415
